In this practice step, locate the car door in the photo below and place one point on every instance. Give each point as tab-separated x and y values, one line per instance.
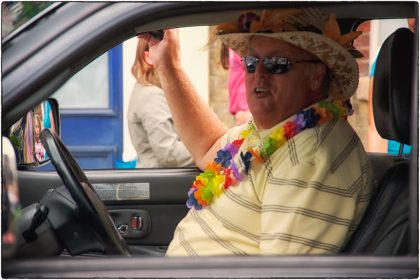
161	193
146	205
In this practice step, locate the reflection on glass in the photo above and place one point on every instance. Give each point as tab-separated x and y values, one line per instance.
39	148
28	145
16	13
47	122
26	134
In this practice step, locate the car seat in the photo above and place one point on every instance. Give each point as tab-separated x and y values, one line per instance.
384	229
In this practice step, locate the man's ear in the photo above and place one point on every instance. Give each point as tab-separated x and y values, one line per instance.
318	75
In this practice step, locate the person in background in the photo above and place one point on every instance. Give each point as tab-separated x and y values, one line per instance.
28	145
39	148
238	105
295	179
150	123
48	119
48	115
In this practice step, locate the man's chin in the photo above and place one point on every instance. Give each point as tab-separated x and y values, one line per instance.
265	121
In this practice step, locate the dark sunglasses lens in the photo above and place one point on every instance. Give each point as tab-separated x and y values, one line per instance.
277	65
250	63
274	65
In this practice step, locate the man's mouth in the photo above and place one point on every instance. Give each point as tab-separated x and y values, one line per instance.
261	91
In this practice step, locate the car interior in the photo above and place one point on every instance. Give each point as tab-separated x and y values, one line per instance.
69	228
384	228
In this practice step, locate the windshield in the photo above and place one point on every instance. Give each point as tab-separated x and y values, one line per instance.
14	14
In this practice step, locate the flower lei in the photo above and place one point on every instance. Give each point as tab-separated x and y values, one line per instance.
233	161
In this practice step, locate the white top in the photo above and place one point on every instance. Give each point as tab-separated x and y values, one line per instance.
152	130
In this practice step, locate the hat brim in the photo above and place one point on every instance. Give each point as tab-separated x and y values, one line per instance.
343	67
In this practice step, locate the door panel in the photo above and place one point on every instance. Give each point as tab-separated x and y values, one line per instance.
164	203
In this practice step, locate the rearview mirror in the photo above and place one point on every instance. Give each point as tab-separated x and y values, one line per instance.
25	133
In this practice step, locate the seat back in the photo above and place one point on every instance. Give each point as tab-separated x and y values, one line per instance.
384	229
392	86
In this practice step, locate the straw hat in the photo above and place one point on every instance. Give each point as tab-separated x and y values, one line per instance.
310	29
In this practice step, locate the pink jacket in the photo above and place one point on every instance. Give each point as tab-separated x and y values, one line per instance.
236	84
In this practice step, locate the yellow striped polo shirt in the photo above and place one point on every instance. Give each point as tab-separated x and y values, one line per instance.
307	198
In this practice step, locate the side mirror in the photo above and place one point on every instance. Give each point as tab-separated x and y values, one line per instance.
25	133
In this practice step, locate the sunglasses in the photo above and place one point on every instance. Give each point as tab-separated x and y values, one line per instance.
274	65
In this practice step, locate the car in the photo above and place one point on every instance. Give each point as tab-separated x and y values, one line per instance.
78	222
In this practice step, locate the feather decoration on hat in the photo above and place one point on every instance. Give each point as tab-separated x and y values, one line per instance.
274	21
229	27
332	31
346	39
245	20
242	24
289	20
309	19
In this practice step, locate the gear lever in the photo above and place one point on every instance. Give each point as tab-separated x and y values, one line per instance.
39	217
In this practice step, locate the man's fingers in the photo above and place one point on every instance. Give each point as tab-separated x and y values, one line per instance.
144	36
148	38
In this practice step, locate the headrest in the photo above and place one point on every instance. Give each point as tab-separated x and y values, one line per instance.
392	86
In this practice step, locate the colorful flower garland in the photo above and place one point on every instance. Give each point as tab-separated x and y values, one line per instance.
233	161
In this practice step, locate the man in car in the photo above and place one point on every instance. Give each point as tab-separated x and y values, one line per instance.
295	179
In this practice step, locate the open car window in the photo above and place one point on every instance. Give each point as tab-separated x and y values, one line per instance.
100	94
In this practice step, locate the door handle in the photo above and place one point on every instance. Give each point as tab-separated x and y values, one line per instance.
123	229
131	223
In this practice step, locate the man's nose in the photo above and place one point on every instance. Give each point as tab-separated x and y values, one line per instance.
261	70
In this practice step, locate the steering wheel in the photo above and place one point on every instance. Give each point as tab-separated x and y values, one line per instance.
90	205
